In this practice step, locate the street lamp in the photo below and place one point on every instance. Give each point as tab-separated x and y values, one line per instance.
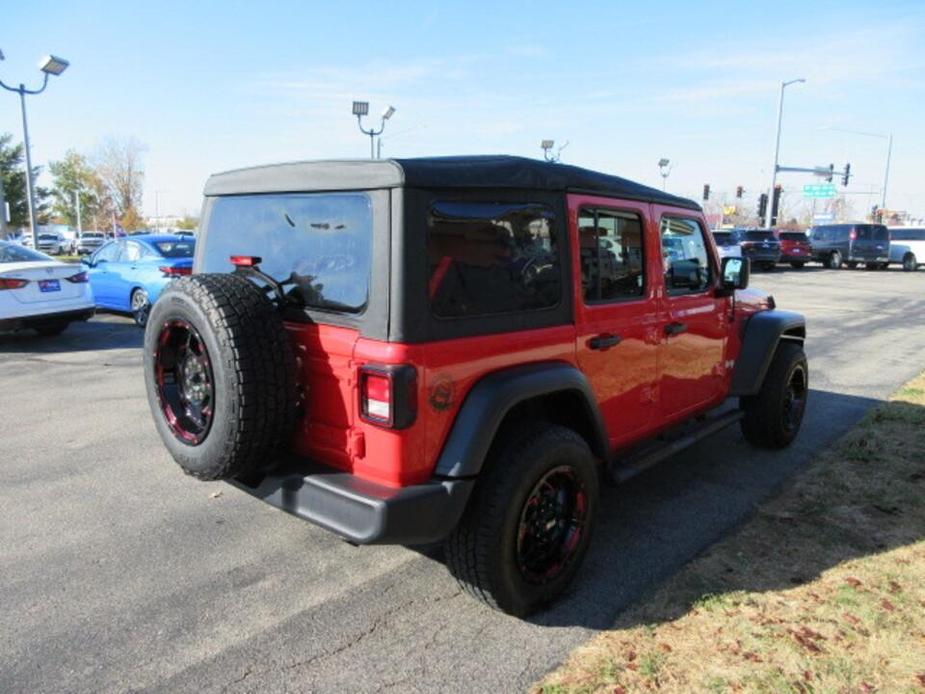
780	114
360	109
664	168
889	154
49	65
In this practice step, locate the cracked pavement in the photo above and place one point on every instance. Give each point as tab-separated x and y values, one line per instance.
120	573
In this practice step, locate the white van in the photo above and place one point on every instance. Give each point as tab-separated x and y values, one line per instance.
907	246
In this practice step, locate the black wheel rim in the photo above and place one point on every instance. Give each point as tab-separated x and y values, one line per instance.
795	400
185	385
552	525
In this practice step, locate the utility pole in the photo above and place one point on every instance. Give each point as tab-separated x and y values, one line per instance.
780	117
77	205
3	219
886	175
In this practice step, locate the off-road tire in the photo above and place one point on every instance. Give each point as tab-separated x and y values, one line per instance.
910	262
834	261
481	551
253	369
766	422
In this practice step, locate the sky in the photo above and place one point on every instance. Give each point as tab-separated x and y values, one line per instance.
210	86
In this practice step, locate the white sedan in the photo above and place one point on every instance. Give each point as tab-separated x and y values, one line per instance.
37	291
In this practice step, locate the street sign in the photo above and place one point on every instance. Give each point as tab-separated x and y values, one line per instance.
823	217
819	190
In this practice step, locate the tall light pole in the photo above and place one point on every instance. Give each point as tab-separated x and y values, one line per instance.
889	154
780	116
360	109
50	65
664	168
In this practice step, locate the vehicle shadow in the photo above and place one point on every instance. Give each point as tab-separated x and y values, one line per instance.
102	332
652	526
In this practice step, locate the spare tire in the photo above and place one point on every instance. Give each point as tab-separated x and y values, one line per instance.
220	375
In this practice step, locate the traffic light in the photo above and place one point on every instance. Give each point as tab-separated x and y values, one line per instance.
831	172
739	191
844	179
762	206
706	191
778	189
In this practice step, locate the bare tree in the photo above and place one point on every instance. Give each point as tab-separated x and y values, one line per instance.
120	166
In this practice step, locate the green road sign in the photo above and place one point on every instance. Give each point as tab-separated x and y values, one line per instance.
819	190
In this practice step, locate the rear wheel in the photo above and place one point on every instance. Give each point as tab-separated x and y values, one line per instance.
140	306
773	416
909	262
527	527
852	264
220	376
834	260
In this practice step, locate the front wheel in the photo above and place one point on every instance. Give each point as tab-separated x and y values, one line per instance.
528	525
773	416
909	262
834	260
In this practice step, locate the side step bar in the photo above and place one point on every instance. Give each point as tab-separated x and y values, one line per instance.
624	469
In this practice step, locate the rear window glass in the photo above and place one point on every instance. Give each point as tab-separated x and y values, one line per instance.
759	236
319	245
486	258
723	238
175	249
907	234
792	236
14	253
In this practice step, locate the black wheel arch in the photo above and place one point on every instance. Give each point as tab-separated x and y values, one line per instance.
763	334
556	391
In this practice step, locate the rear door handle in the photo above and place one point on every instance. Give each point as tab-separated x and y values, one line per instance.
604	341
675	328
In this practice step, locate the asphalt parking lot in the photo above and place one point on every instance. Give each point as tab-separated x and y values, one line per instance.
120	573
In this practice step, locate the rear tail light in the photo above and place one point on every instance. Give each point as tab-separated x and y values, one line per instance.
175	271
388	395
853	235
12	283
79	278
245	260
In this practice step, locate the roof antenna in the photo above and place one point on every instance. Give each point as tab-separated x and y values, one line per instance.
547	146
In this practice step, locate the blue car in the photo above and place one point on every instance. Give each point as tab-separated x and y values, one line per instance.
127	275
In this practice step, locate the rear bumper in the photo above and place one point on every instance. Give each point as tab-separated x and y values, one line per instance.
762	256
361	511
43	318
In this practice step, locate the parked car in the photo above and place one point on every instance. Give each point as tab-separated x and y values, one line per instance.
794	248
417	350
760	246
39	292
90	241
726	244
851	244
53	243
128	275
907	246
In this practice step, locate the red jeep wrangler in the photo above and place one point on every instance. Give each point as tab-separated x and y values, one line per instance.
459	349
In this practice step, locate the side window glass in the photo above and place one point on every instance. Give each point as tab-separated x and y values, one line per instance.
109	253
684	256
611	253
132	253
491	257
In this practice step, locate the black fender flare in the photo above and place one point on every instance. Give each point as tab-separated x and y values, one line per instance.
763	332
491	398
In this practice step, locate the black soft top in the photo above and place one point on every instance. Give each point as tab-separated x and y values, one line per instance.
493	171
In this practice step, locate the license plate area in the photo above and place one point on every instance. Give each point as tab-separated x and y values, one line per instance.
49	285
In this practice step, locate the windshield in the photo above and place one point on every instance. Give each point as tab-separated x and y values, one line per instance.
322	243
90	235
175	249
759	236
14	253
47	237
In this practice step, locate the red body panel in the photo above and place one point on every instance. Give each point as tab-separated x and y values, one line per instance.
644	384
791	249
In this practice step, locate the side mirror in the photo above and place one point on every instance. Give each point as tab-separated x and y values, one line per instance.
85	260
735	273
